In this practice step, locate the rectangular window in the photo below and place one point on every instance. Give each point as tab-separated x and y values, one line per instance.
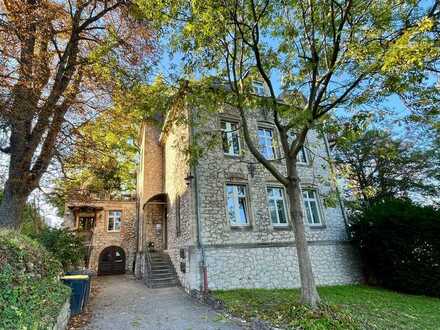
266	142
302	157
237	205
86	223
114	220
178	216
258	87
311	207
277	206
230	138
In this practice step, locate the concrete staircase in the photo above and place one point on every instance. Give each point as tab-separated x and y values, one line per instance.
160	272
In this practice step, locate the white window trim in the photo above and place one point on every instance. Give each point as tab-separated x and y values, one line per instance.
318	205
278	224
259	88
236	204
306	156
229	131
108	221
273	140
306	152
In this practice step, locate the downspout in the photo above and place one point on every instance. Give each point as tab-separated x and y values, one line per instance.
200	246
338	193
204	271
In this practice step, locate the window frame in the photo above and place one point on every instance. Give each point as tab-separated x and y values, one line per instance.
285	205
260	90
303	150
114	230
230	131
86	217
319	212
236	203
274	140
178	216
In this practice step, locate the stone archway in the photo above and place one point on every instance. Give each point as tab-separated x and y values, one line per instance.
112	261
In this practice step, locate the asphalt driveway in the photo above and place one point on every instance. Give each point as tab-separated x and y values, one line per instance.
124	303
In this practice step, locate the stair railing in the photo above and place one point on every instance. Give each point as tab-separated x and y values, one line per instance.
147	267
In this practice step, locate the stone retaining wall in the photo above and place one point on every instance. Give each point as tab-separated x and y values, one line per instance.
63	317
277	267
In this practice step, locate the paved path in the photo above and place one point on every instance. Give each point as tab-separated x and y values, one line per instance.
124	303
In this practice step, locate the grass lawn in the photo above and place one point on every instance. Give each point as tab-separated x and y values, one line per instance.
346	307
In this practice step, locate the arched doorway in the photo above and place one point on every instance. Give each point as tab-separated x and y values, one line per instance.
155	228
111	261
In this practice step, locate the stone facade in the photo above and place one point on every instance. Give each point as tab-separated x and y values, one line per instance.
63	317
258	255
182	210
126	237
276	266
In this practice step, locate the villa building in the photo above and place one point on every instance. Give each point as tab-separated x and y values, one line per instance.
222	222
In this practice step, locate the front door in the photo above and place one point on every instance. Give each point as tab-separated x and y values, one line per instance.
111	261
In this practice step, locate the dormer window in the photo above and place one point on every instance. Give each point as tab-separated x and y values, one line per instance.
258	88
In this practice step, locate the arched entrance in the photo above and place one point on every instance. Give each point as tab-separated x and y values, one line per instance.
155	228
111	261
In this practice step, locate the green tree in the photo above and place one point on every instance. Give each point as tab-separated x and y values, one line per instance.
104	158
59	62
378	166
64	245
33	221
331	55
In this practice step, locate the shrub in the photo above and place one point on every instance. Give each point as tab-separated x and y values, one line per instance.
67	248
400	246
28	281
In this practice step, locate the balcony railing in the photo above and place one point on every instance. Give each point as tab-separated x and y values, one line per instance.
90	195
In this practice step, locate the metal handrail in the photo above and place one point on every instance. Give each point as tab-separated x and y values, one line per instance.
148	267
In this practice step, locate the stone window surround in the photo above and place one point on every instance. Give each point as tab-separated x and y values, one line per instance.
233	120
84	214
108	220
320	206
249	208
272	183
275	138
309	186
287	226
277	144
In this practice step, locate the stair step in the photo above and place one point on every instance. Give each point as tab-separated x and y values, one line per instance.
160	264
161	267
163	272
163	280
163	286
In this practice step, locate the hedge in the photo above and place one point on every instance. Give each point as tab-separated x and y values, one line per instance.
399	244
31	295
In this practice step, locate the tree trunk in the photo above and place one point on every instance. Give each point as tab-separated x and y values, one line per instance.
309	294
12	205
17	188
